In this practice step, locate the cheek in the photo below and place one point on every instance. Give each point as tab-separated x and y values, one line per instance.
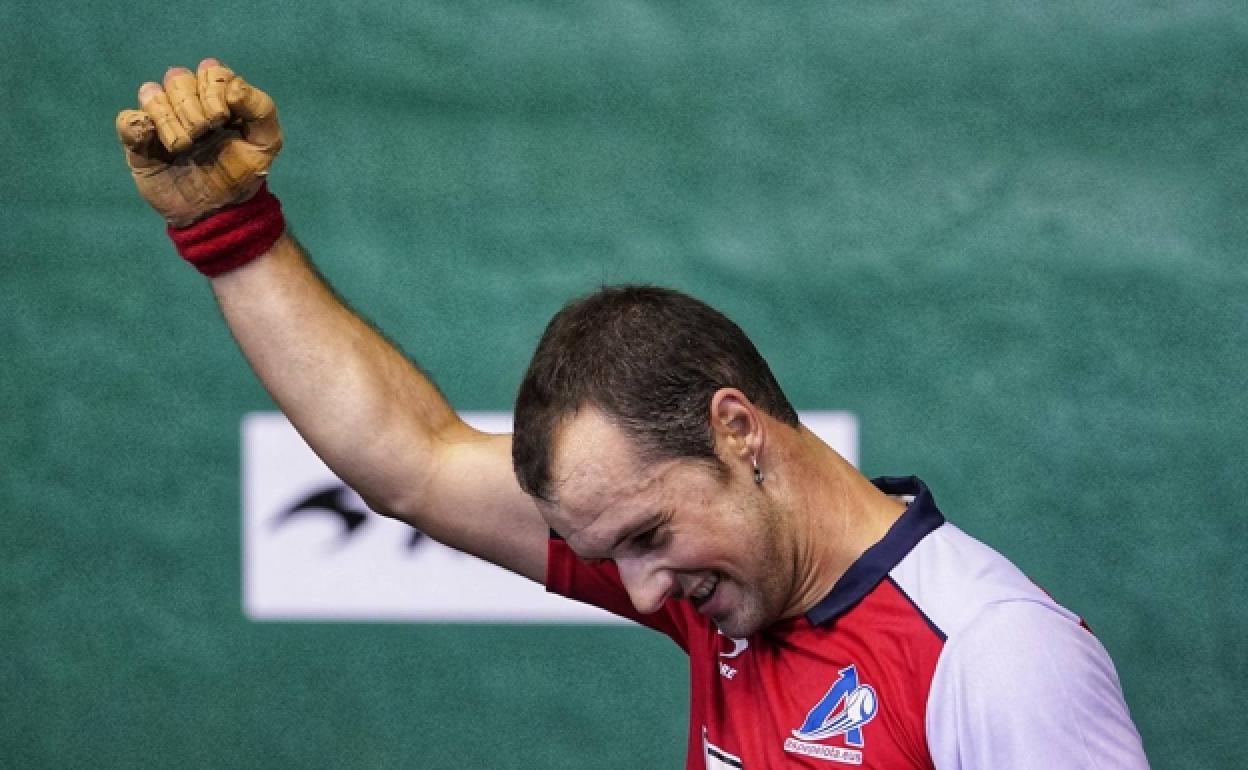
716	532
690	552
727	549
694	550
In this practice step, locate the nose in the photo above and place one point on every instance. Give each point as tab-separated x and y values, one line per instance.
648	587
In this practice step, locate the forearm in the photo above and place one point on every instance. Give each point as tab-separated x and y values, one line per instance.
366	410
356	400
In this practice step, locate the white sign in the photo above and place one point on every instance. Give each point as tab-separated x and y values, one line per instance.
312	550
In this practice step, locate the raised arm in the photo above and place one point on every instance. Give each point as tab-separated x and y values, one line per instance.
199	148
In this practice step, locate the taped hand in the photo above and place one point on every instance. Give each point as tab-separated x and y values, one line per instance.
200	143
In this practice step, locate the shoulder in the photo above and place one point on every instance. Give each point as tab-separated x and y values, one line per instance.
1019	644
1020	682
1022	685
952	578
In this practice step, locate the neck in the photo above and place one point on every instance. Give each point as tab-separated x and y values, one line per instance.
835	514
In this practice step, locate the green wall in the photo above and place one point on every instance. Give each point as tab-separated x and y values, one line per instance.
1009	236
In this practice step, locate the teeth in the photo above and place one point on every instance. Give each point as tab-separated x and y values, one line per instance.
705	588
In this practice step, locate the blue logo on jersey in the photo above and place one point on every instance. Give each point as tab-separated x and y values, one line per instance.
844	710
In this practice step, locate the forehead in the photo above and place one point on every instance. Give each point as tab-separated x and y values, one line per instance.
595	470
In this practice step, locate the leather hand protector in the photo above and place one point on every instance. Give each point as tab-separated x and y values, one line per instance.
202	143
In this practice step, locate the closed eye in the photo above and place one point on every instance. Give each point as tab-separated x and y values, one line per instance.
651	538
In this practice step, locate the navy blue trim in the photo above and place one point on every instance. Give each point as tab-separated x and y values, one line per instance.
920	517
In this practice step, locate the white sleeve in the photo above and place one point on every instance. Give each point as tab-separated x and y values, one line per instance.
1023	687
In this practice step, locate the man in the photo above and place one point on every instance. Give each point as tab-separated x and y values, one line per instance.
657	470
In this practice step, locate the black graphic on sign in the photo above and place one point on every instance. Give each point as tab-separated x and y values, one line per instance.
338	501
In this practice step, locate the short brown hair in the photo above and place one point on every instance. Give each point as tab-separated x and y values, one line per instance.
651	359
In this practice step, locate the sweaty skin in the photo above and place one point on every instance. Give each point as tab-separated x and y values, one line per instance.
361	405
745	553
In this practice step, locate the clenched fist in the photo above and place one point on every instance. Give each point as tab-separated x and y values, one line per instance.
201	142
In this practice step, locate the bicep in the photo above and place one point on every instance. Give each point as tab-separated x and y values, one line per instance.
470	500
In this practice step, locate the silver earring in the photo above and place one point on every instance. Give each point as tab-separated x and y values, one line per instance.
758	472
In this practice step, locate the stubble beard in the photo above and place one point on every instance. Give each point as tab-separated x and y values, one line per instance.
763	602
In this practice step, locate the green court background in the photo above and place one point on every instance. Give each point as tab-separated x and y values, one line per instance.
1009	236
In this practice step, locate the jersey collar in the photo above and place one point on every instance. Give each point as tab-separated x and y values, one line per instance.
920	517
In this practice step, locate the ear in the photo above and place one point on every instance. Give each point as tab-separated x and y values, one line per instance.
737	425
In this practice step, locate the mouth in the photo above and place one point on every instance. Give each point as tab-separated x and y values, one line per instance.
702	592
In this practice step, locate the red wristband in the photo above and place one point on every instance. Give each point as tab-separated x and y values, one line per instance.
232	237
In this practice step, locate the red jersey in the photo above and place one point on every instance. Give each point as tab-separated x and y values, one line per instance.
931	651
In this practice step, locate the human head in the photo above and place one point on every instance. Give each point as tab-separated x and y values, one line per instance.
651	360
680	528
